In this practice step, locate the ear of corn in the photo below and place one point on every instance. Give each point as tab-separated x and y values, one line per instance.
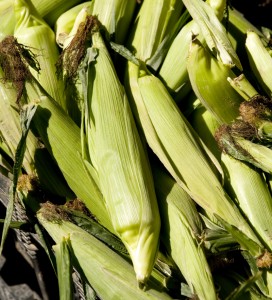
242	182
123	169
260	61
208	77
180	218
32	31
97	261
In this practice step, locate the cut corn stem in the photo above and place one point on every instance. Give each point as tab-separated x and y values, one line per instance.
260	61
243	86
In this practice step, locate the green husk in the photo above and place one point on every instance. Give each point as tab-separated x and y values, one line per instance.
173	71
60	135
250	189
66	22
10	128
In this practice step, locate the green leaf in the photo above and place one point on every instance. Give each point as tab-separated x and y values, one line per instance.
26	117
245	242
243	288
123	51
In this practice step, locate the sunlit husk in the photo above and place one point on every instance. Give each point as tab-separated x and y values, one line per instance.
122	165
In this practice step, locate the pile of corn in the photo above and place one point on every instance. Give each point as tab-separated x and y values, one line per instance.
137	135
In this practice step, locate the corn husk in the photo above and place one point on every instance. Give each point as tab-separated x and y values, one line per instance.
10	127
66	21
173	71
